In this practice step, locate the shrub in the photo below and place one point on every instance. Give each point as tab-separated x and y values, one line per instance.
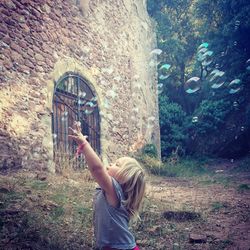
150	150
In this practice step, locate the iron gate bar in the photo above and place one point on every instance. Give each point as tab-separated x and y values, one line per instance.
68	105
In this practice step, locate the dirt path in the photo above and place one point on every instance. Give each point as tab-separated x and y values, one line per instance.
224	208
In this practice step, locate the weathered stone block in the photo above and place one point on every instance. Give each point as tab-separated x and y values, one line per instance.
42	34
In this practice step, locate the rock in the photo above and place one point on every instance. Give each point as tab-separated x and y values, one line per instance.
141	243
181	216
197	238
42	176
4	190
33	198
155	230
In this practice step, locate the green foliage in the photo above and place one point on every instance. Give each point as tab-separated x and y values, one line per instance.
172	119
150	150
152	164
243	187
185	168
173	168
39	185
244	165
181	26
211	121
57	212
216	206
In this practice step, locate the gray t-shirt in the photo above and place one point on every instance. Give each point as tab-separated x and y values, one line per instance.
111	223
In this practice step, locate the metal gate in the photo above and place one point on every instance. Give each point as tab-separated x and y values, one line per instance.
73	100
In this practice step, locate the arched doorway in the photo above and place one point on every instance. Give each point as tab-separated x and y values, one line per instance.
74	100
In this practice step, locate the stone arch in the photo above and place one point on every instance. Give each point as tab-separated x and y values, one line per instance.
74	100
63	66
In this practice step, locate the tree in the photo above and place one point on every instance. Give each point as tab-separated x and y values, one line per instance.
204	44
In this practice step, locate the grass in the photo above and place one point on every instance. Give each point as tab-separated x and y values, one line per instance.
39	185
212	179
216	206
244	165
44	213
186	168
57	213
175	168
243	188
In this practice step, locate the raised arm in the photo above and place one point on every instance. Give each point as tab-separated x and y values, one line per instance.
95	165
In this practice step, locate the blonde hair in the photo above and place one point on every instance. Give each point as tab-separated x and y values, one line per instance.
132	178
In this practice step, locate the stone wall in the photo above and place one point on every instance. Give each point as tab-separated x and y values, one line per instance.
106	42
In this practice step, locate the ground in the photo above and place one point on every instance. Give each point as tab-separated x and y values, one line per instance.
40	211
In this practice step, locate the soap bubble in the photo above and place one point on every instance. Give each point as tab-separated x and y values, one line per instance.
111	93
165	66
106	104
136	77
191	91
163	77
233	91
222	53
208	53
192	85
215	74
137	86
235	104
202	51
156	51
81	102
217	85
217	78
152	63
93	99
235	82
135	110
195	119
235	86
248	64
88	112
207	62
237	24
151	119
133	118
203	45
102	114
149	126
195	79
159	88
204	55
81	94
109	116
91	104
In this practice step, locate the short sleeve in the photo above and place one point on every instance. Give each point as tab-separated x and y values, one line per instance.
118	190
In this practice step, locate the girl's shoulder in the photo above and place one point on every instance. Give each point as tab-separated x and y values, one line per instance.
118	189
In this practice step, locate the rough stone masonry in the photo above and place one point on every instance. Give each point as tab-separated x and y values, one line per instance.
106	42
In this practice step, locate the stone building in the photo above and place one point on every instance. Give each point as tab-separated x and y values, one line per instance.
65	60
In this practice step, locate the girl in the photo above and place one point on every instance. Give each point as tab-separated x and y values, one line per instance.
122	187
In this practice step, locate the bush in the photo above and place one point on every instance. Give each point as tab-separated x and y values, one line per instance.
172	119
150	150
152	164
